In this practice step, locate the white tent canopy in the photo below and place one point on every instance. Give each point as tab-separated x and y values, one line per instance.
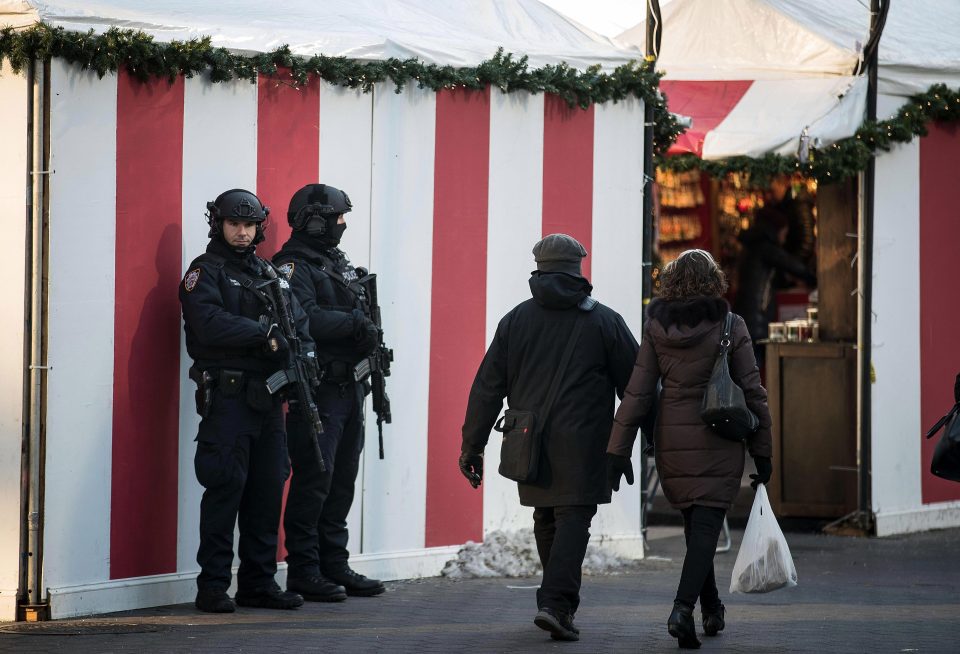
740	39
753	79
919	47
450	32
798	57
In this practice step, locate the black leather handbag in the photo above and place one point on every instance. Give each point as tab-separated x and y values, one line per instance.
523	430
945	462
724	407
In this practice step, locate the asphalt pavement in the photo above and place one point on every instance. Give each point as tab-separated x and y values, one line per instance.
898	594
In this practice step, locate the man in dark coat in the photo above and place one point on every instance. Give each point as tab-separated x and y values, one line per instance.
241	460
519	365
328	287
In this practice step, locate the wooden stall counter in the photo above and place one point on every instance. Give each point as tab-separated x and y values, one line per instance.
813	404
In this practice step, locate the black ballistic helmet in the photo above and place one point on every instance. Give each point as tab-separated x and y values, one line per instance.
317	201
237	204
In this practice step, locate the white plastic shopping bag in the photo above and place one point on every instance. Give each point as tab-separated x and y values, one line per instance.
763	562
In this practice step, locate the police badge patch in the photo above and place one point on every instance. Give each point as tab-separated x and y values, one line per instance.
191	279
287	270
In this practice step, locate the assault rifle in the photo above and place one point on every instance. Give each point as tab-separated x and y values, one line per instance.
302	374
376	365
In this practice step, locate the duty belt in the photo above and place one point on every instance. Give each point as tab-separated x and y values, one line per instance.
343	372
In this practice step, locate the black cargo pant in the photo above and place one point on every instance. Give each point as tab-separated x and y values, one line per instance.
315	520
562	533
701	530
241	462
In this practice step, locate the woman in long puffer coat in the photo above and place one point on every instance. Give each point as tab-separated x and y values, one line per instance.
699	471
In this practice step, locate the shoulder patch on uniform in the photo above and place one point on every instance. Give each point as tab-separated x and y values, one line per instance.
287	269
190	279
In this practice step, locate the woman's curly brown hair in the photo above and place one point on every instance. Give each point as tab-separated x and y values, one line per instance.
693	273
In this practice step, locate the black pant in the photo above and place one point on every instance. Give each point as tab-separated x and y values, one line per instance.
315	520
241	462
701	530
562	533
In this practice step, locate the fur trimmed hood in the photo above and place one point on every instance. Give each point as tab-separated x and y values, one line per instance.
684	323
689	311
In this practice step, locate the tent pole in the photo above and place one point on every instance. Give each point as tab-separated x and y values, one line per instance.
865	258
654	30
32	606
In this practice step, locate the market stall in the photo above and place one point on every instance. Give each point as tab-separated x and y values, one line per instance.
747	74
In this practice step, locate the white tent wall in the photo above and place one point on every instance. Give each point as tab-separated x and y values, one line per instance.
219	152
896	334
13	187
402	236
899	464
617	274
80	333
516	167
380	147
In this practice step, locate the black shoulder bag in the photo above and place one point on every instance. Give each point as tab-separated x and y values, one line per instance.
523	430
945	462
724	407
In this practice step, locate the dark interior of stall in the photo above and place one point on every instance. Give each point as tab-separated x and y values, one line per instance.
806	352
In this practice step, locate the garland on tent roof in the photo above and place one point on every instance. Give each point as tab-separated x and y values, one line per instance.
145	58
846	157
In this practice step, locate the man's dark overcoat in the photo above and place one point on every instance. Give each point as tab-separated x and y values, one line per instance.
520	364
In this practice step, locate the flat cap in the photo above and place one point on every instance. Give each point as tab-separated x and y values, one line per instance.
559	253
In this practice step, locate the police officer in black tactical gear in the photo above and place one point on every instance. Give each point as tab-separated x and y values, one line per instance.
325	283
241	458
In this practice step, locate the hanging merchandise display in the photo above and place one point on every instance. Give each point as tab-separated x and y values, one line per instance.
681	216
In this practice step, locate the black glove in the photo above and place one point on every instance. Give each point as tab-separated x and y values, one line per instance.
276	347
471	465
764	470
616	466
365	332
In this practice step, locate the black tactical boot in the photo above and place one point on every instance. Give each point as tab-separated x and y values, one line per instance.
214	601
713	620
680	625
355	583
558	623
316	589
270	597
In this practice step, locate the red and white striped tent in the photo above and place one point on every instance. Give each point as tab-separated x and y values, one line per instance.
450	192
755	75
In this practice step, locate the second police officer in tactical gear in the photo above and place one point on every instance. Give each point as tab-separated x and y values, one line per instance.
325	283
241	459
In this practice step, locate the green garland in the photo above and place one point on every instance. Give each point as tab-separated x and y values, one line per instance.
846	157
144	58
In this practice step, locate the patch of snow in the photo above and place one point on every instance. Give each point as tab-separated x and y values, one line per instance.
514	554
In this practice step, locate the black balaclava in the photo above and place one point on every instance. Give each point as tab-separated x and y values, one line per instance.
325	230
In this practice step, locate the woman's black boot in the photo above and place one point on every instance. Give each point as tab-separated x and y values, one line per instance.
713	620
680	625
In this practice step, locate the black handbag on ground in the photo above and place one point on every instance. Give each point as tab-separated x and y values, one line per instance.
724	408
945	462
523	430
